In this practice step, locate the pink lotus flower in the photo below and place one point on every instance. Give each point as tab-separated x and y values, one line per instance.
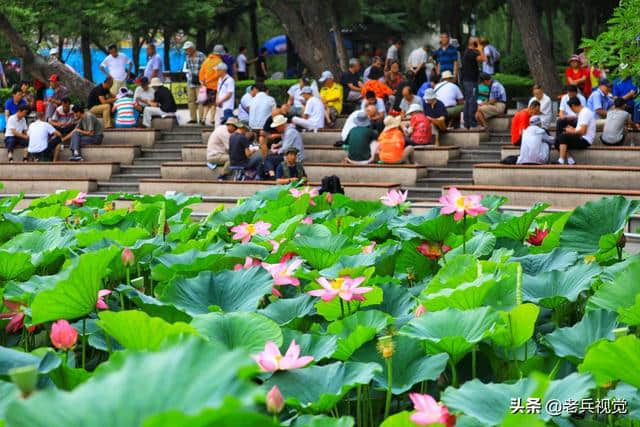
245	231
286	257
127	257
276	292
100	304
248	263
299	192
369	248
538	236
428	411
271	360
282	273
328	197
345	287
275	401
16	315
63	335
420	310
275	245
433	251
308	220
79	200
394	197
457	204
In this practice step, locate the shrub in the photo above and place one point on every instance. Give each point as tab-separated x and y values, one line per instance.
516	86
277	88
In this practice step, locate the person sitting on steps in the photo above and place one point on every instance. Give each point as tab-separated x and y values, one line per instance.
290	170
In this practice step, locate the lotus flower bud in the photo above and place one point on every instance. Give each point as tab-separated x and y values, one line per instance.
275	401
385	346
128	258
63	335
420	310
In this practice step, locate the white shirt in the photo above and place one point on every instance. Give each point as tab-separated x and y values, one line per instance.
379	105
448	93
226	85
117	66
39	132
587	117
315	110
218	142
243	108
154	63
535	146
20	125
140	93
488	66
294	92
546	110
349	124
242	63
565	107
416	57
392	53
260	109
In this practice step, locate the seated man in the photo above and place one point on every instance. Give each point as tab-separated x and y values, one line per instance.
313	117
370	100
290	169
495	105
535	144
241	152
218	144
125	109
12	104
351	81
391	145
361	140
408	99
564	111
546	108
101	100
44	140
435	110
295	100
419	130
625	89
520	121
16	132
614	126
87	131
163	104
451	96
63	119
579	137
332	97
290	138
599	101
144	94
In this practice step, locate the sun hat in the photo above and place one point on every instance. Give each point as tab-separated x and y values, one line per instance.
447	75
535	120
413	108
155	82
219	49
361	119
574	58
124	91
278	120
188	45
232	121
391	122
430	94
306	89
242	124
326	75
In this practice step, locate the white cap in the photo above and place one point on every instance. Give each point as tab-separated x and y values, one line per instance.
188	45
325	76
219	49
155	82
413	108
54	51
222	66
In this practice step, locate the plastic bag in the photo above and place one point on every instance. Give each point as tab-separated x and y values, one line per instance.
202	95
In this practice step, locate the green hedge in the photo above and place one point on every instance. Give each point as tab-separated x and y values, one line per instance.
516	86
4	95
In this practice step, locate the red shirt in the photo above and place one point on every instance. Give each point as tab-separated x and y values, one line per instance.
421	126
519	123
585	87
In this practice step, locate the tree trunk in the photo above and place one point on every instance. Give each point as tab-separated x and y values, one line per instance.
38	67
302	22
536	46
135	48
167	49
85	48
61	48
201	40
576	27
549	16
509	28
343	58
253	24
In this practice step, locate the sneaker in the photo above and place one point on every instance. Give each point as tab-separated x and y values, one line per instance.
75	158
191	122
211	166
571	161
561	161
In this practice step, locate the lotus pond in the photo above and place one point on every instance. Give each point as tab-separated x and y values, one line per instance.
302	309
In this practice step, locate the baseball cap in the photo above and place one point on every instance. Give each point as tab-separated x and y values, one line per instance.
535	120
188	45
604	82
222	67
219	49
291	150
430	94
326	75
306	89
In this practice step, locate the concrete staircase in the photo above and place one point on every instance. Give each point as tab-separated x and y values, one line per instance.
458	171
147	166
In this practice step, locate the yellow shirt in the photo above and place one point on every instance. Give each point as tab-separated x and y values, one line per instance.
333	92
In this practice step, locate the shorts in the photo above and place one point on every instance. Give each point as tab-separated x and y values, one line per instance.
10	142
613	143
492	110
572	141
455	111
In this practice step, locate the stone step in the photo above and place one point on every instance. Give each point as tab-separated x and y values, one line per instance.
462	163
117	187
168	145
133	177
423	193
123	154
182	141
156	161
449	172
140	169
438	182
478	152
59	170
45	185
136	136
161	152
596	155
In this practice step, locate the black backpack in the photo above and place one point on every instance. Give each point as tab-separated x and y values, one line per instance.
331	184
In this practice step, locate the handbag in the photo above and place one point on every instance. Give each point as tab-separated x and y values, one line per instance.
202	95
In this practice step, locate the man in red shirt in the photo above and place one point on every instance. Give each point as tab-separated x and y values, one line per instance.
520	121
419	130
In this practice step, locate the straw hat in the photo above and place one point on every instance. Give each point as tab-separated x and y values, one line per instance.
391	122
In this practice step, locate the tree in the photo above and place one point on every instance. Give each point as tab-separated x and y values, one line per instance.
536	46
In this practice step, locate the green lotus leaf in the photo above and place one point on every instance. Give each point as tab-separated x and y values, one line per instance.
125	237
355	330
136	330
332	310
574	341
15	265
77	294
517	227
620	292
323	421
631	395
67	378
248	331
319	388
463	297
318	346
247	250
8	393
481	244
230	415
516	327
283	311
553	288
401	419
410	365
321	253
239	290
53	211
397	301
188	264
458	269
152	306
45	246
452	331
557	259
10	359
631	315
187	377
613	360
437	229
594	219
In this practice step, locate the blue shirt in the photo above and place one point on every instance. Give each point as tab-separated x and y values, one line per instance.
498	92
12	107
598	100
154	63
438	110
446	58
623	87
423	89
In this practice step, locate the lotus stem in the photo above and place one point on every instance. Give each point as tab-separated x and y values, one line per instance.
464	233
518	284
121	301
128	276
349	307
342	308
454	374
474	372
84	342
358	406
387	404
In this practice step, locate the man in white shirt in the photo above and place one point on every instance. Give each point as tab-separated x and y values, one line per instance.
241	60
296	100
546	109
371	99
450	95
245	102
154	65
420	65
535	143
118	66
261	107
225	95
144	93
15	133
41	141
313	117
393	53
571	91
579	137
218	145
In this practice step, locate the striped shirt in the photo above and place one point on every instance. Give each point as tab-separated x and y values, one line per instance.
125	112
192	67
